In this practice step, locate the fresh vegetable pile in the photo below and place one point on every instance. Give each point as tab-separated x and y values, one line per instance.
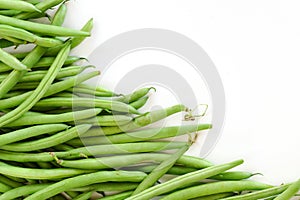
63	139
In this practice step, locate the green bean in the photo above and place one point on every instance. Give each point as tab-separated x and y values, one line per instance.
95	88
291	191
92	93
42	6
13	93
23	191
39	174
4	187
47	142
119	196
18	5
139	121
215	188
260	194
38	75
9	12
90	151
63	147
108	187
27	36
107	120
137	94
160	170
16	179
84	196
183	180
14	77
140	102
75	40
60	15
39	91
12	39
34	2
215	196
5	43
126	160
87	179
87	103
50	30
33	131
141	135
43	62
9	182
53	89
11	61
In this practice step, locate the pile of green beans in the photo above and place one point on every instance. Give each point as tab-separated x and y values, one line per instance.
61	138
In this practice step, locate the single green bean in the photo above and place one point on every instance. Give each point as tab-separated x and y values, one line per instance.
53	89
60	15
63	147
47	142
39	174
87	179
137	94
119	196
107	120
126	160
14	77
4	187
50	30
141	135
84	196
18	5
92	93
23	191
260	194
160	170
11	61
87	103
36	76
90	151
43	62
291	191
183	180
215	188
39	91
9	12
9	182
108	187
12	39
140	103
33	131
42	6
215	196
27	36
139	121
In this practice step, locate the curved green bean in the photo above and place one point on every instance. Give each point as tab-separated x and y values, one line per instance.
215	188
84	196
11	61
41	28
18	5
291	191
107	120
183	180
87	179
39	91
39	174
215	196
47	142
140	102
142	135
33	131
60	15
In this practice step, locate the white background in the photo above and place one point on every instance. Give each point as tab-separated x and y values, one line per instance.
255	46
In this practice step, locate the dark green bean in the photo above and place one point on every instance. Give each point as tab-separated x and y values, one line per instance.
215	188
18	5
53	89
39	91
41	28
33	131
160	171
47	142
39	174
5	43
87	179
142	135
183	180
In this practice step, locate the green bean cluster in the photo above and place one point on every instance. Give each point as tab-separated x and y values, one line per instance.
61	138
